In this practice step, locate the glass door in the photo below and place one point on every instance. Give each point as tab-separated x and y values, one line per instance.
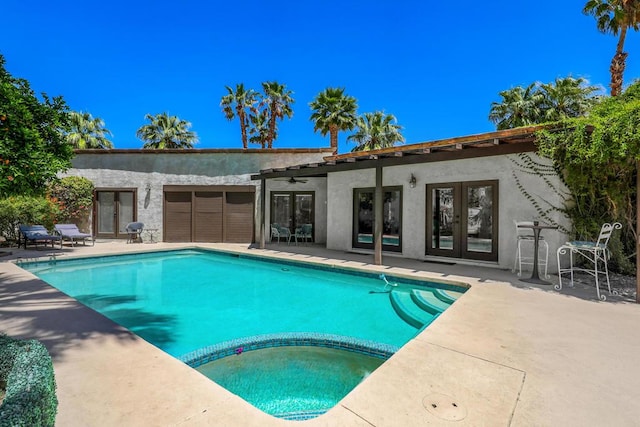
462	220
443	220
293	210
114	210
364	218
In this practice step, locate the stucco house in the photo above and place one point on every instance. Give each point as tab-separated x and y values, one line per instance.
452	200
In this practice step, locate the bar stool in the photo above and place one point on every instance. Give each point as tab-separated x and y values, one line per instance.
525	237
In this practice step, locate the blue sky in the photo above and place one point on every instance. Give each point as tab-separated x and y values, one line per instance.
437	69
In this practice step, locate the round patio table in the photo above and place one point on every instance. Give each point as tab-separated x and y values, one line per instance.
536	227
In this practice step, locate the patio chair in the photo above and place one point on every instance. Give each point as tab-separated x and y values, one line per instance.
71	233
278	231
304	233
594	254
134	232
525	238
37	234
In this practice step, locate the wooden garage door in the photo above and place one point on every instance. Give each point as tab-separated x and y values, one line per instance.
177	217
239	217
208	217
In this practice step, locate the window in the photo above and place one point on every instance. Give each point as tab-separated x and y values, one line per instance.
292	210
364	218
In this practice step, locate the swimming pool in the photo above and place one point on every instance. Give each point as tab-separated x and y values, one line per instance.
188	300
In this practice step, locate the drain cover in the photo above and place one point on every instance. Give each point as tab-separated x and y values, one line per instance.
444	407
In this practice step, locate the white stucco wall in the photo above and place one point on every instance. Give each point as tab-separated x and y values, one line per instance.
512	203
140	169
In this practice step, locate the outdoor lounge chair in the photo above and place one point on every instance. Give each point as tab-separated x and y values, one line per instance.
134	232
595	256
71	233
34	234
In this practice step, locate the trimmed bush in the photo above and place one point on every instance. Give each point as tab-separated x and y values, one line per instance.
27	372
18	210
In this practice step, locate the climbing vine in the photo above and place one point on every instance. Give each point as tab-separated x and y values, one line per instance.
595	156
526	164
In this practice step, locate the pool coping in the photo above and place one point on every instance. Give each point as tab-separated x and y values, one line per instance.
499	350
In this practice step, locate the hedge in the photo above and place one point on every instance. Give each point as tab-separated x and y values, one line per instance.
27	372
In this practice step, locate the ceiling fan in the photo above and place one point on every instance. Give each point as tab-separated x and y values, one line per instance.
292	180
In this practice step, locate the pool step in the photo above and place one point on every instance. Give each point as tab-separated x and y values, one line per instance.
428	301
447	296
404	304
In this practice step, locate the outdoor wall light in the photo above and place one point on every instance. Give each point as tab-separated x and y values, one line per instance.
412	181
148	188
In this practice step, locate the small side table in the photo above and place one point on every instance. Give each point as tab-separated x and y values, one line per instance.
536	227
151	231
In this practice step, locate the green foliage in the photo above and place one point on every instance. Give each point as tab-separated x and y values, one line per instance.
258	113
74	197
166	132
239	103
544	102
376	130
333	111
16	210
596	157
87	132
32	146
27	371
526	164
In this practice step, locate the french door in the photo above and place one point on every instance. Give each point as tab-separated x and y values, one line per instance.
462	220
292	210
114	210
364	218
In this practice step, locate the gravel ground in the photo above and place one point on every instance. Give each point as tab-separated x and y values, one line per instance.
624	285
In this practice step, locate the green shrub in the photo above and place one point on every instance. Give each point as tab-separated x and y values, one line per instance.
27	371
18	210
74	196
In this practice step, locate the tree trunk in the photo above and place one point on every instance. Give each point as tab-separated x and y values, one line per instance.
618	64
272	126
333	138
243	128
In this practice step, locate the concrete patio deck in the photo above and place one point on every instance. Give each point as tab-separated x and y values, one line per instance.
506	353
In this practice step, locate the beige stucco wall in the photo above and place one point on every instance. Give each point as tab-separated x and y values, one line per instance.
512	203
140	169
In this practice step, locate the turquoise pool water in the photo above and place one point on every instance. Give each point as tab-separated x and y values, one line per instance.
187	301
292	382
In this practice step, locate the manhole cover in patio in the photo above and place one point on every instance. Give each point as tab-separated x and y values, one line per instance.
444	407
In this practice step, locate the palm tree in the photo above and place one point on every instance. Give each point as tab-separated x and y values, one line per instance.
259	127
566	98
277	100
376	130
166	132
235	104
87	132
615	17
519	107
333	111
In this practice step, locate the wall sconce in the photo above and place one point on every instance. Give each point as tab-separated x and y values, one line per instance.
148	188
412	181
